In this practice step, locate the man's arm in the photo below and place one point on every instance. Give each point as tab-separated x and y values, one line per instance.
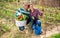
17	12
23	11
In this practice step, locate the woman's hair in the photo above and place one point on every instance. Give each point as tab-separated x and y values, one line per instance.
28	6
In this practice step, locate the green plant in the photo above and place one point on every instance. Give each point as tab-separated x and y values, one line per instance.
55	36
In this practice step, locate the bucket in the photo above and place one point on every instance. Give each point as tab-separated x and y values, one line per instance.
37	30
20	23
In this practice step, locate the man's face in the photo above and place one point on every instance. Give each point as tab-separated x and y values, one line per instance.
26	7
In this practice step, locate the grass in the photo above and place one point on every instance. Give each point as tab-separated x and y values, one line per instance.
55	36
51	14
21	35
4	28
18	35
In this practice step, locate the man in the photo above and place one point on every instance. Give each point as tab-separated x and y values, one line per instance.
36	23
23	10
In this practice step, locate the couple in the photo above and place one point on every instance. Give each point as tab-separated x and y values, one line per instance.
32	14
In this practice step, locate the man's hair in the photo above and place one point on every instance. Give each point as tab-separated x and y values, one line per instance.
25	3
31	2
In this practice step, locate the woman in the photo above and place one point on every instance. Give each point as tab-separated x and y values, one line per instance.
36	23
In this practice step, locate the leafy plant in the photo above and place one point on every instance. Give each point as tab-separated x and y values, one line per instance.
55	36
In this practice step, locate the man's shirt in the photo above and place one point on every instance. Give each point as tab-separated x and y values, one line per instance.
21	10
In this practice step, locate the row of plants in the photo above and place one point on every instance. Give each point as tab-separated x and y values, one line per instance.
7	10
5	13
7	0
51	14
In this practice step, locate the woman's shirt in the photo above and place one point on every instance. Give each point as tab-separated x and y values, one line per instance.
35	14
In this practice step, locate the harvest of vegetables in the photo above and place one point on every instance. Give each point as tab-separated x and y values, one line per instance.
21	17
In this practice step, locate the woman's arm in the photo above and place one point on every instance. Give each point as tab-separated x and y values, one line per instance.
40	13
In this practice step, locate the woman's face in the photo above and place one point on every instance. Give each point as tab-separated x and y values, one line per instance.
31	6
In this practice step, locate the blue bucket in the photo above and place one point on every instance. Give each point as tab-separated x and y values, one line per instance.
37	30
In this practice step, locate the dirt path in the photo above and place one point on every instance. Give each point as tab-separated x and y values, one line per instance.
53	31
48	33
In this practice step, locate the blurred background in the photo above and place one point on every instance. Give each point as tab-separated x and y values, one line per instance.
50	20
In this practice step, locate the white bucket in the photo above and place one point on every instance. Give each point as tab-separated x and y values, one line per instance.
20	23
